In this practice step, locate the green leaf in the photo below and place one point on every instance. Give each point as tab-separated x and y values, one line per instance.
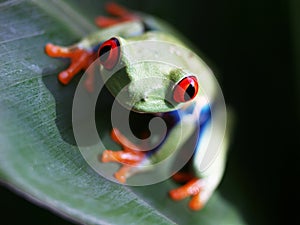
38	155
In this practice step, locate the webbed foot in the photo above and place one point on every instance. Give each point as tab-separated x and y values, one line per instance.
192	188
80	60
129	157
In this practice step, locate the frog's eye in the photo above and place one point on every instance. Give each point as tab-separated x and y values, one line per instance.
186	89
109	53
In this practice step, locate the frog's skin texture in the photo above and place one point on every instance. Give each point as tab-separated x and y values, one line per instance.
126	27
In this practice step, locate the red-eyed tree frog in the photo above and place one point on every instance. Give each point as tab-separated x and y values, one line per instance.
182	89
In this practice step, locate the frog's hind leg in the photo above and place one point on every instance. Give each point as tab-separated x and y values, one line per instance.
202	185
194	188
120	13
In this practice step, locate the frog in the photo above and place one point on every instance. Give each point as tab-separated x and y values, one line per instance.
174	94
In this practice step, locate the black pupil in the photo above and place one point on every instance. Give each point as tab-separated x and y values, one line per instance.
104	50
189	93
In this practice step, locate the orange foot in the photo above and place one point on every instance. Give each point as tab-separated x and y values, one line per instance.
121	15
130	157
191	188
80	60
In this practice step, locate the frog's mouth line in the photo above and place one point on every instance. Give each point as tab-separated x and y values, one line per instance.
148	105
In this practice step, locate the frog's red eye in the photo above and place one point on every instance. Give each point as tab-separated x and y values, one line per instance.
186	89
109	53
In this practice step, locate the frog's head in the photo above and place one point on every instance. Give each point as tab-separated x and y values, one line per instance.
140	83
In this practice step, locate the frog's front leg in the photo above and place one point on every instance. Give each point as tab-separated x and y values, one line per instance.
80	59
84	53
130	157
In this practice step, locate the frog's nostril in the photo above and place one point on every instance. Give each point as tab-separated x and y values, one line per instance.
144	99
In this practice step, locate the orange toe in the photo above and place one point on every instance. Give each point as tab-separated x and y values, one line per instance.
196	203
